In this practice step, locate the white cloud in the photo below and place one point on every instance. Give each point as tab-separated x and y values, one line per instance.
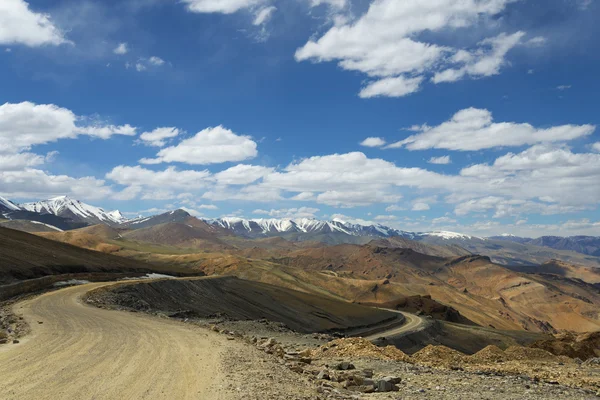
20	25
207	207
552	174
32	183
440	160
242	174
290	213
473	129
596	146
385	218
122	48
485	61
563	87
263	15
154	60
221	6
391	87
537	41
354	198
209	146
383	43
443	220
20	161
169	179
337	4
158	136
27	124
140	67
420	207
395	207
373	142
507	207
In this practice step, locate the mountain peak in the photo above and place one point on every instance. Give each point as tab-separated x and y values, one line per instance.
76	210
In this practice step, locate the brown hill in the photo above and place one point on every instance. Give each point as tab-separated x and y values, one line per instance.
191	234
25	256
99	237
451	250
481	291
27	226
237	299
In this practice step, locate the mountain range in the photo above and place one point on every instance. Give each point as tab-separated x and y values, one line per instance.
64	213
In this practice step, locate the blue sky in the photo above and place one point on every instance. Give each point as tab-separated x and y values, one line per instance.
481	114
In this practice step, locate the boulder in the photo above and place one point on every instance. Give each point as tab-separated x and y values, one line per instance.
344	366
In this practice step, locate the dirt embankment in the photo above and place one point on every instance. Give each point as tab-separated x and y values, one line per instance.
464	338
26	257
424	305
237	299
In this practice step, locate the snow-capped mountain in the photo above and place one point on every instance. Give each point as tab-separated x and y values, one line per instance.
7	205
261	227
75	210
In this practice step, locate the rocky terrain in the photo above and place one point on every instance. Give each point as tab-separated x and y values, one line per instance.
357	369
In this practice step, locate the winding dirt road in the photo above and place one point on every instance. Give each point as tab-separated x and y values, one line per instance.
413	324
82	352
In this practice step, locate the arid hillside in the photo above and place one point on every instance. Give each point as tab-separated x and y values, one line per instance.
26	256
543	299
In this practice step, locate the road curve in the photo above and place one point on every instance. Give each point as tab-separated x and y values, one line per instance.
82	352
413	324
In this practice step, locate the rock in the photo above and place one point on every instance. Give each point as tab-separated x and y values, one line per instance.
387	384
393	379
3	341
363	388
15	341
324	375
367	373
344	366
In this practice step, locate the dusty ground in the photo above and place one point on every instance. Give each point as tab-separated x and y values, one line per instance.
75	351
79	352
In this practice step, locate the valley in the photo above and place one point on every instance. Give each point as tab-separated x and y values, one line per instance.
427	300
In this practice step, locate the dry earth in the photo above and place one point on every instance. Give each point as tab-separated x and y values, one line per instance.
79	352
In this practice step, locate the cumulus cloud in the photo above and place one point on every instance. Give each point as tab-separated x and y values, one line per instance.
474	129
27	124
440	160
485	61
421	207
170	178
121	49
209	146
383	44
34	183
391	87
221	6
596	146
20	161
373	142
21	25
242	174
159	136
